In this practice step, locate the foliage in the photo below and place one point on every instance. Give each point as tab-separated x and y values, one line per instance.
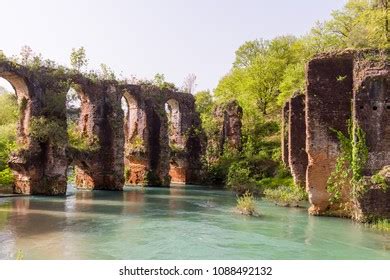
71	175
160	82
205	106
19	255
275	182
78	58
136	144
45	129
106	73
380	180
246	204
79	141
239	179
151	179
348	172
286	195
8	120
381	225
9	109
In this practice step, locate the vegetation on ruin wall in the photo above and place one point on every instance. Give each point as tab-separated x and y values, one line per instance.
263	76
347	177
80	141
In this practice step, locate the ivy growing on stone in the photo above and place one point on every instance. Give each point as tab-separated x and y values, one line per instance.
348	173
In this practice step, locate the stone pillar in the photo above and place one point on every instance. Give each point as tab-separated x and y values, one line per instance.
233	125
284	132
371	114
328	106
101	122
297	156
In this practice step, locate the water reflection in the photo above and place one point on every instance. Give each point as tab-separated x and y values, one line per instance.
175	223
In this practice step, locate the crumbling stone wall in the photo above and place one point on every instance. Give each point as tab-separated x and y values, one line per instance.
284	133
228	123
371	107
371	114
41	165
352	85
297	156
99	169
156	159
328	107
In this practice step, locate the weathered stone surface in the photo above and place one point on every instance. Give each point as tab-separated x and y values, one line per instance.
297	156
328	107
143	141
374	204
162	142
228	119
284	133
331	79
371	114
371	107
38	167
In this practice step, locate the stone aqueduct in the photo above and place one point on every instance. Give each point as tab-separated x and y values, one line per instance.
158	139
156	143
341	88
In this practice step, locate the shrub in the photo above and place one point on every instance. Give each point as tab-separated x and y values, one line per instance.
135	145
80	142
381	225
286	195
8	119
246	204
9	109
239	179
275	182
44	129
6	177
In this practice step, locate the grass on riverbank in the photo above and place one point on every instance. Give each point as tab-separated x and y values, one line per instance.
286	195
381	225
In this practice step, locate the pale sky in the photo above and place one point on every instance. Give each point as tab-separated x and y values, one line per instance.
145	37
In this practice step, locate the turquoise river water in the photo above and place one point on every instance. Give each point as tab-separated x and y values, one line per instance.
176	223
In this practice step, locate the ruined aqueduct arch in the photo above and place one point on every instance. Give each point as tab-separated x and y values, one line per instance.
137	143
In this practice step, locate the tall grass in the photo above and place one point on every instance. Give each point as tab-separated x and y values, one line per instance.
246	204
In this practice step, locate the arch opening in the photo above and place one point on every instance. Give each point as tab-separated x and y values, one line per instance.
134	124
172	110
178	161
74	129
131	117
9	118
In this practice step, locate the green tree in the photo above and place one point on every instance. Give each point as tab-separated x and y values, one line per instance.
78	58
106	73
247	53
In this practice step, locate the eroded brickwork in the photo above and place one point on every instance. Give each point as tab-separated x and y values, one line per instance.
228	132
328	108
140	147
284	133
297	156
371	115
